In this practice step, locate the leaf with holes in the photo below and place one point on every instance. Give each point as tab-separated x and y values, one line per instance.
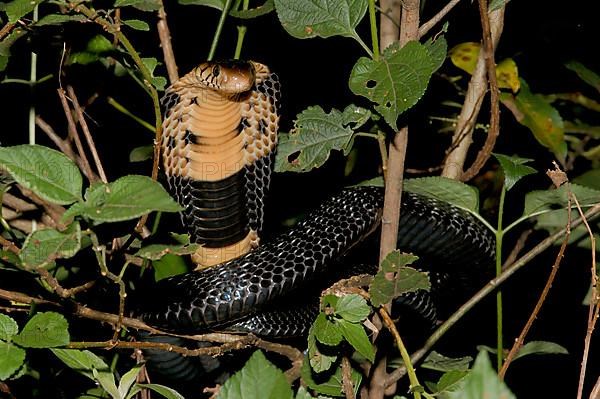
482	382
259	378
398	80
46	172
306	19
406	279
44	330
447	190
44	246
11	359
514	169
315	135
126	198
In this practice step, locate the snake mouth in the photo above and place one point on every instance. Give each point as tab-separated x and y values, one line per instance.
227	77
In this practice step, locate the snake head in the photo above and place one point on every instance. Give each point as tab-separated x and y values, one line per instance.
228	77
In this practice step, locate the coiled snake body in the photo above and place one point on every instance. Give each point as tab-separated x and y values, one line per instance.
218	145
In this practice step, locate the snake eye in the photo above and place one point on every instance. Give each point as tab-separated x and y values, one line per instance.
216	71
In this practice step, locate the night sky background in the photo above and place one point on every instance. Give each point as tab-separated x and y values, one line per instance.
540	35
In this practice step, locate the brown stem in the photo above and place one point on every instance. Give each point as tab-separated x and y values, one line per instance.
538	306
9	245
453	167
520	244
86	132
596	390
74	135
60	290
165	42
389	30
54	211
347	385
488	54
426	27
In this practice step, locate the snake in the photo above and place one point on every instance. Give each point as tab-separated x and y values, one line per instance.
218	146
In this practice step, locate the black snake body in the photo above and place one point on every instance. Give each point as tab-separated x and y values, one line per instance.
208	119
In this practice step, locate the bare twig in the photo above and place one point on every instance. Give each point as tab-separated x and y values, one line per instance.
9	245
74	135
426	27
519	245
389	30
17	203
86	133
347	385
54	211
61	291
165	42
538	306
594	308
453	167
487	289
488	49
596	390
62	145
6	29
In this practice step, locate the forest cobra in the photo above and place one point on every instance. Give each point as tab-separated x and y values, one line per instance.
218	146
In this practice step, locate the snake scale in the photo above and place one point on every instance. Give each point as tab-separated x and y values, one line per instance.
219	140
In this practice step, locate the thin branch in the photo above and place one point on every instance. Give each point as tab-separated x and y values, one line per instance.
60	290
54	211
538	306
85	166
596	390
488	49
347	385
486	290
453	167
426	27
519	245
86	132
9	245
165	42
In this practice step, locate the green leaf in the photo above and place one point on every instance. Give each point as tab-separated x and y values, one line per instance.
374	182
398	80
514	169
406	279
137	24
590	179
265	8
314	136
587	75
17	9
333	385
319	362
167	266
128	380
6	44
302	394
143	5
451	381
542	119
106	379
157	81
8	327
9	258
142	153
99	45
11	359
218	4
126	198
58	19
257	379
46	172
356	336
44	246
166	392
305	19
482	382
439	362
538	202
81	361
541	348
44	330
447	190
157	251
352	308
326	331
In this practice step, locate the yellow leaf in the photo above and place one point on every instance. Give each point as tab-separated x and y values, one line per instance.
464	56
507	74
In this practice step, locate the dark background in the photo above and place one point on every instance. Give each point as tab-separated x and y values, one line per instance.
539	35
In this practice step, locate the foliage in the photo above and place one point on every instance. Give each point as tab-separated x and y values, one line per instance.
96	229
